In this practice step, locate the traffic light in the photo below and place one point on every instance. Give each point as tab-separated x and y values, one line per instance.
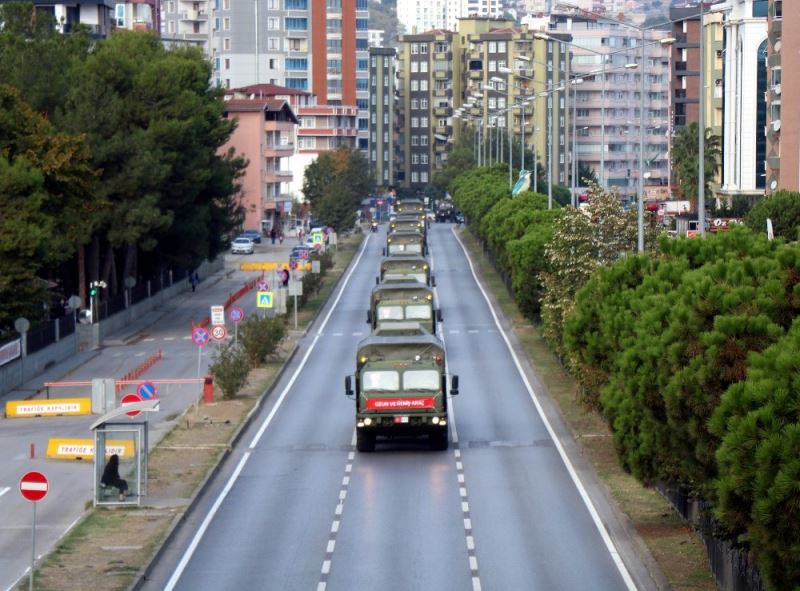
93	291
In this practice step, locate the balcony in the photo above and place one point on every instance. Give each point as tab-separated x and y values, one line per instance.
476	75
278	176
278	150
442	75
442	111
194	15
442	92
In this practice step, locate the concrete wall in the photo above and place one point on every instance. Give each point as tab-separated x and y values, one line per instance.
91	336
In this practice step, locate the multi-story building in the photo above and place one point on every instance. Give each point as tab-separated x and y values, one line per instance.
322	128
608	104
427	67
382	116
265	136
783	123
744	141
425	15
506	65
311	45
97	15
186	22
375	37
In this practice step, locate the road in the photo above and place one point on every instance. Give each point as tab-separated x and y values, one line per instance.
70	481
507	507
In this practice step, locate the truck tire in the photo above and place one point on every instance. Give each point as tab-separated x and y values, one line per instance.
365	442
439	440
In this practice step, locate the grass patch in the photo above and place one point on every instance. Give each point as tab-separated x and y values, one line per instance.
676	548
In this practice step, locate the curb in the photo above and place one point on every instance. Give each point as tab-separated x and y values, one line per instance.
141	576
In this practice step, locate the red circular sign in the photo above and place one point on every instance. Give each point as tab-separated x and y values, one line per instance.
128	399
33	486
219	332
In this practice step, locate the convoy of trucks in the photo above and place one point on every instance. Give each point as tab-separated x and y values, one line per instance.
400	385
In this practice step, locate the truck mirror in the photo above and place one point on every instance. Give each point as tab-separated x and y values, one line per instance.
439	315
348	386
454	386
433	281
369	316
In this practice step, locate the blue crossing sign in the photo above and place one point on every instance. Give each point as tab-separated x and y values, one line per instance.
147	390
264	299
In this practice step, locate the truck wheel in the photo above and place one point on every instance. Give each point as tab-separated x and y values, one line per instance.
365	442
439	440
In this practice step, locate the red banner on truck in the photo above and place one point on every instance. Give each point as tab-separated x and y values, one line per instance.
399	403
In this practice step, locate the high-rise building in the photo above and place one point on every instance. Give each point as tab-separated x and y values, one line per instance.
319	46
425	15
382	116
186	22
608	102
744	149
783	122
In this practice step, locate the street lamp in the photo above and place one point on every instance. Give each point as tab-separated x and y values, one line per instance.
573	192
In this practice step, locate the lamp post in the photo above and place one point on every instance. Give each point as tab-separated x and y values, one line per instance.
701	136
573	192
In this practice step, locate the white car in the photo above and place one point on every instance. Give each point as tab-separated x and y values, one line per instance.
242	246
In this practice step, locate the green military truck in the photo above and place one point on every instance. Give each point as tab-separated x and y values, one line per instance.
409	206
391	303
405	243
404	269
400	389
407	223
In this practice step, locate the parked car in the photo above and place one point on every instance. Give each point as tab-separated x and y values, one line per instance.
242	246
253	235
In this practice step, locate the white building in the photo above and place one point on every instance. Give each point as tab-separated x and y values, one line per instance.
426	15
745	85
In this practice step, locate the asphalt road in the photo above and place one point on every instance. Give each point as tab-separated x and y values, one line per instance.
71	481
508	507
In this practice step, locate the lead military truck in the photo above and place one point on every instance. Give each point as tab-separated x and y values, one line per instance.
400	388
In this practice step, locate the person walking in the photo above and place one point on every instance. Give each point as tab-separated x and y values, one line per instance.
273	234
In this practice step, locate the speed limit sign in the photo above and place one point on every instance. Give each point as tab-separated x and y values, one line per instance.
219	332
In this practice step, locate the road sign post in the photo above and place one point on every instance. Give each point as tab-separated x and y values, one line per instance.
33	486
236	314
200	338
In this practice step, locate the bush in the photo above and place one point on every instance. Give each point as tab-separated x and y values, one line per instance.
312	283
260	337
229	368
783	208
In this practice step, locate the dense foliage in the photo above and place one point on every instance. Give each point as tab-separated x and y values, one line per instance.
335	184
110	162
690	350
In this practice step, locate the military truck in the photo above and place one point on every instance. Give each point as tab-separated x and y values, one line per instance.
409	206
391	303
405	268
405	243
407	223
400	389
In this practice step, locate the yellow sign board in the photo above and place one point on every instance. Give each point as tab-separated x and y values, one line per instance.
263	266
48	408
83	449
264	299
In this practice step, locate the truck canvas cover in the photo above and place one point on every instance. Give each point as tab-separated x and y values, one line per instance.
401	291
400	348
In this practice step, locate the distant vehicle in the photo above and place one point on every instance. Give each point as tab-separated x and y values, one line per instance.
242	246
458	218
297	253
253	235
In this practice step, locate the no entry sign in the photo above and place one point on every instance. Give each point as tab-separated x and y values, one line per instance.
128	399
33	486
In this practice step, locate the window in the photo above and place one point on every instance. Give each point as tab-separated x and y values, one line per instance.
414	104
423	103
423	122
414	48
334	25
362	5
362	83
386	136
386	118
362	103
423	158
423	85
492	66
414	67
334	46
273	43
362	24
374	155
296	64
334	5
492	47
363	123
385	154
374	62
423	140
335	66
272	24
414	140
362	64
296	24
226	4
501	47
423	48
296	4
386	99
414	176
272	64
423	176
227	63
297	83
362	44
226	44
414	85
415	122
415	158
171	7
171	26
272	4
423	66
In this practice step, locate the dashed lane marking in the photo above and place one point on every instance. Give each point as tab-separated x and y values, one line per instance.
149	339
4	490
325	571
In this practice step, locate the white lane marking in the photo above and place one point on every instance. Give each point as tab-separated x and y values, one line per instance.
358	334
331	546
171	338
186	338
4	490
326	567
321	586
462	490
472	331
453	331
336	334
187	555
151	339
598	522
206	522
139	354
335	526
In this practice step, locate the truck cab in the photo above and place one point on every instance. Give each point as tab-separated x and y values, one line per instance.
400	390
405	243
391	303
404	269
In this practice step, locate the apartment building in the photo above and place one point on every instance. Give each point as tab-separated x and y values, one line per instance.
608	102
264	134
783	122
318	46
744	149
506	65
186	22
425	15
97	15
382	116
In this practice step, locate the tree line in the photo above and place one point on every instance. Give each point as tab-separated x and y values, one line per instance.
689	350
110	162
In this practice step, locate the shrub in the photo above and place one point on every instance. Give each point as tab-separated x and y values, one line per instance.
260	337
230	368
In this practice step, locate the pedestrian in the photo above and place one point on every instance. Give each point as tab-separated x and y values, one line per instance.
280	237
111	477
273	234
193	280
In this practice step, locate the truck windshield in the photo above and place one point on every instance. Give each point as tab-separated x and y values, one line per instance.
380	381
421	379
418	312
390	312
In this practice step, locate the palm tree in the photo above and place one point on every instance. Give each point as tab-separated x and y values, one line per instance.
684	160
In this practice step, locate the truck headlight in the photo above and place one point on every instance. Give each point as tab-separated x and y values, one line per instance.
435	420
368	421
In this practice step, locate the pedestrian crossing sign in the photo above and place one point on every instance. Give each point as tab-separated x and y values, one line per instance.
264	299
